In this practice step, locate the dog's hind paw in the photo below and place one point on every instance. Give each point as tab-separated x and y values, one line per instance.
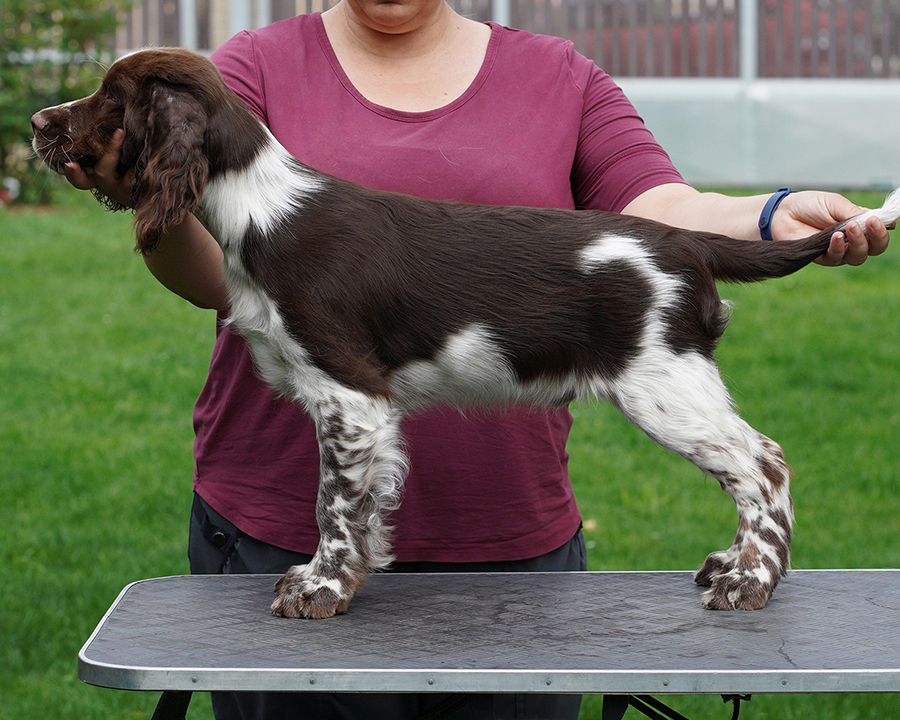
736	590
300	595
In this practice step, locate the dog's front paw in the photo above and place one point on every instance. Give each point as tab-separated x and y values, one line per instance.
302	594
717	563
736	590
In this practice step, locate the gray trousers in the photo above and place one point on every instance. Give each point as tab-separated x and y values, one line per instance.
216	547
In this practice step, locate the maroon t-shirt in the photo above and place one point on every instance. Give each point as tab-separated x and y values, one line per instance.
541	126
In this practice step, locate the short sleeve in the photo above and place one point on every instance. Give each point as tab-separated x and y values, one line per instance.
617	157
236	62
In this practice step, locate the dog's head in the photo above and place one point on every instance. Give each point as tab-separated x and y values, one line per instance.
164	99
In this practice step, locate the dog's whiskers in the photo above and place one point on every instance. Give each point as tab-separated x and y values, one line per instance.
46	146
102	65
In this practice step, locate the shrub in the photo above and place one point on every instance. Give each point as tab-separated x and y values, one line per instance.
51	51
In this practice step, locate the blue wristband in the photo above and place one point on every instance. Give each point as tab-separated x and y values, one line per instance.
765	218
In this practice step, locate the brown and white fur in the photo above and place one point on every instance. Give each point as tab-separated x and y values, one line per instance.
362	305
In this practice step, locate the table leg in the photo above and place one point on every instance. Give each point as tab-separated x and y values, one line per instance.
172	705
615	706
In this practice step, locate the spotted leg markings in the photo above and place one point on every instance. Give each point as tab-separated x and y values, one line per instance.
305	591
362	467
716	563
679	400
745	576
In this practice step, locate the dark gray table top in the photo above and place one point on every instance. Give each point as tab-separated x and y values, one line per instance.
824	631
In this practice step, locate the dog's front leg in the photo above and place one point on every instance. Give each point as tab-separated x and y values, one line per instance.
362	468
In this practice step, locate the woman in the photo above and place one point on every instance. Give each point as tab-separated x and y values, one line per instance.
410	96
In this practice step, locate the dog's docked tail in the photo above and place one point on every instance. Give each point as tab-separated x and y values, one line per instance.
741	261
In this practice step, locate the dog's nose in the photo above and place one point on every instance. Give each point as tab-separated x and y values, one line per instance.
39	121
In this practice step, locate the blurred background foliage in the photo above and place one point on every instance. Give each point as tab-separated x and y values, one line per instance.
51	51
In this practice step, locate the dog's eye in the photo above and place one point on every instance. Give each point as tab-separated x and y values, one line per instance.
108	96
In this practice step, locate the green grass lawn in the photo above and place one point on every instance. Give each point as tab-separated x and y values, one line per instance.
99	368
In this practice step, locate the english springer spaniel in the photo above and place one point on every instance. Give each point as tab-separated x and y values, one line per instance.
363	305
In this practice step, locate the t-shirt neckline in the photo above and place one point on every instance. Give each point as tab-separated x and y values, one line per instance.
407	115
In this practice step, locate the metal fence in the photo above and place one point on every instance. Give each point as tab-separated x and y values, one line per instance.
642	38
833	39
628	38
723	84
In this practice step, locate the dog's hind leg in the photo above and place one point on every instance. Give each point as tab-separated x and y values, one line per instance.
680	401
362	468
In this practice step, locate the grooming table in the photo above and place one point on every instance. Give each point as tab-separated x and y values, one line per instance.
616	633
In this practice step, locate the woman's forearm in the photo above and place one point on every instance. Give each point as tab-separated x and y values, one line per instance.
683	206
188	261
799	215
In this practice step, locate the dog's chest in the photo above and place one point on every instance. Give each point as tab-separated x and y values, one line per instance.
255	316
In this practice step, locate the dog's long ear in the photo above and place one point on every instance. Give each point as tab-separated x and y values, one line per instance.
164	132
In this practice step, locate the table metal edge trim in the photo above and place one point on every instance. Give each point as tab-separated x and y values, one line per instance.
503	681
508	681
